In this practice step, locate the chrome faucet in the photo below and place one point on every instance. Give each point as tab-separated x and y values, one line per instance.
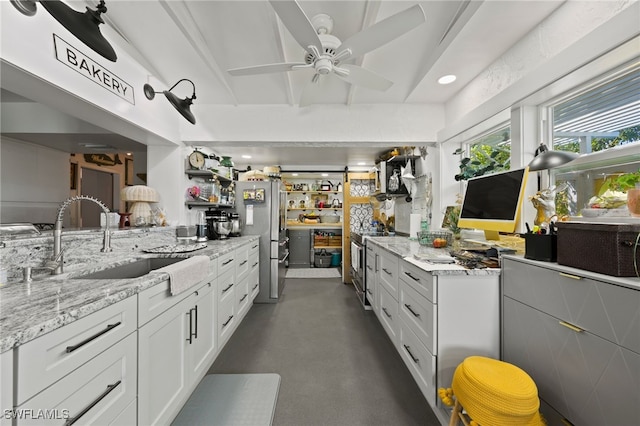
56	260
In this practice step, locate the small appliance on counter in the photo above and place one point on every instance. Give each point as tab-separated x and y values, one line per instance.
186	234
218	225
201	227
234	219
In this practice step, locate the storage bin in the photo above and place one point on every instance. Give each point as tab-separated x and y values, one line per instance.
541	247
606	248
322	259
336	258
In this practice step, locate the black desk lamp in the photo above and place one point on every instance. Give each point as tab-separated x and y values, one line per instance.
182	105
545	159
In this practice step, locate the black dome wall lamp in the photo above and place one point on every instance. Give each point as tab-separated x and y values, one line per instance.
545	159
85	26
182	105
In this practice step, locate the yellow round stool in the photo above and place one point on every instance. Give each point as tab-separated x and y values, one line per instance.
493	393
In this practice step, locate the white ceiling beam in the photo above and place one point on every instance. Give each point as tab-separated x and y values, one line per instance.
463	15
180	14
278	32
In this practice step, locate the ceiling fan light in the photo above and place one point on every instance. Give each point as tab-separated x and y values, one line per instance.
183	106
447	79
85	26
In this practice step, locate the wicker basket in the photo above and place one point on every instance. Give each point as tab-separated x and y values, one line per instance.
322	259
598	247
425	238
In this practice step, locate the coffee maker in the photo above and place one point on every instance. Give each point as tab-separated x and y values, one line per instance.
218	225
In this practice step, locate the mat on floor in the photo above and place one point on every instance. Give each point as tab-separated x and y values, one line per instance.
313	273
232	399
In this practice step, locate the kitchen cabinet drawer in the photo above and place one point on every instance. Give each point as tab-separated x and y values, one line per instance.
52	356
254	247
389	314
226	262
590	380
254	282
226	319
420	280
242	262
155	300
226	285
604	309
254	260
419	314
243	299
388	272
95	393
421	363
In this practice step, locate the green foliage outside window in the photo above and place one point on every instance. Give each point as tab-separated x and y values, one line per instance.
484	158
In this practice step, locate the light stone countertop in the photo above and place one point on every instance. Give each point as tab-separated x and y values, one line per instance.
29	310
407	249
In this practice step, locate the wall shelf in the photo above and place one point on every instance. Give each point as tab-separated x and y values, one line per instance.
192	204
208	175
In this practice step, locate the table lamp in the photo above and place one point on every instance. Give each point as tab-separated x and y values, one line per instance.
140	196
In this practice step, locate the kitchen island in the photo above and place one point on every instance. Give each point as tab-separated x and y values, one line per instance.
65	339
435	314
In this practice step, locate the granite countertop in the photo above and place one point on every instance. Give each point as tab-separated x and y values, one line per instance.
29	310
408	249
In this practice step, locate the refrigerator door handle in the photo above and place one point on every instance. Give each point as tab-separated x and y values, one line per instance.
283	242
286	256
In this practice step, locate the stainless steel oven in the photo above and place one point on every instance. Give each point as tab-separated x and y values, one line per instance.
358	268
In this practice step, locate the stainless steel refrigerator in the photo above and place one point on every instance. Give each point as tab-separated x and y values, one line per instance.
262	210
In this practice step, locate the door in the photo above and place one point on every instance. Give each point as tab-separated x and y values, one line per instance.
97	184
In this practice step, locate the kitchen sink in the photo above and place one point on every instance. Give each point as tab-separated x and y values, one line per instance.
131	270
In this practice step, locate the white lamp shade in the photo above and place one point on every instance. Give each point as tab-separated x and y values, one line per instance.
140	196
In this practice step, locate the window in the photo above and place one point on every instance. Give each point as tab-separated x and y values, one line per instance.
602	123
490	153
600	118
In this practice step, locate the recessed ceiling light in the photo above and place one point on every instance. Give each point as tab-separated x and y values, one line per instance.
361	163
325	174
447	79
246	156
128	153
294	174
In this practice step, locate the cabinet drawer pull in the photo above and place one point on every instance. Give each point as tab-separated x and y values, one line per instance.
370	268
387	272
224	324
243	262
255	246
408	349
415	314
227	262
575	277
412	277
244	297
370	292
95	336
386	312
190	338
195	310
255	286
72	420
224	290
254	265
571	326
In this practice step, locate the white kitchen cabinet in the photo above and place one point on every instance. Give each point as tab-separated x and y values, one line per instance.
6	385
95	393
227	314
388	272
577	334
371	280
43	361
254	271
175	349
241	260
435	320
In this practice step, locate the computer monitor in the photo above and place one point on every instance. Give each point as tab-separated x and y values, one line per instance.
492	203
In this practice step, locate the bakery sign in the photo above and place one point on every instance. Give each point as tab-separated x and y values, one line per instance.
82	64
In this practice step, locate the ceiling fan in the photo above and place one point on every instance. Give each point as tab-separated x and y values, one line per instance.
326	54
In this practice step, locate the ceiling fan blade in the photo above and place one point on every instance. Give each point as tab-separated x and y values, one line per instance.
265	69
362	77
384	31
297	23
310	93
